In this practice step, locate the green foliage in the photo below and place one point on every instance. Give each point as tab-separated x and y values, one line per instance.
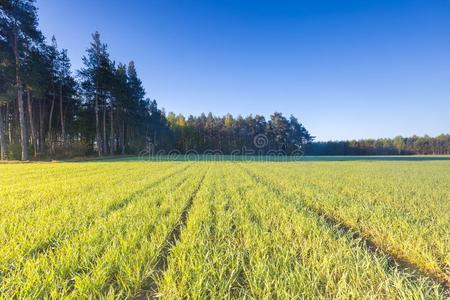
228	134
14	152
421	145
76	150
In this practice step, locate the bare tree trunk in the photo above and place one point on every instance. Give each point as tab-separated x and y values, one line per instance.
112	146
120	133
23	130
8	123
61	111
154	142
2	137
97	125
105	140
41	127
122	141
33	131
50	118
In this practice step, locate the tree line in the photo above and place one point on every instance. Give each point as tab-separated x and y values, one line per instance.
420	145
237	135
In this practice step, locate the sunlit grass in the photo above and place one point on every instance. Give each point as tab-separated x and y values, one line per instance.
404	207
254	230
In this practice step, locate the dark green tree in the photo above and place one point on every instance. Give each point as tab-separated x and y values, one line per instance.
18	22
96	80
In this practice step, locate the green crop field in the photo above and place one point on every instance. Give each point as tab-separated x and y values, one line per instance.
354	229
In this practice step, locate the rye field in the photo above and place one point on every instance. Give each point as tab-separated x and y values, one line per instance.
363	229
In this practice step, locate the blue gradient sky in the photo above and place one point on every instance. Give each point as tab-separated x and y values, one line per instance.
346	69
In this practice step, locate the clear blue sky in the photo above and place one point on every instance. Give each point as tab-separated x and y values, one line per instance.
346	69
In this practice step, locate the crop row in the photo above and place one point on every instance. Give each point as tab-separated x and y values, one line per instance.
403	208
54	213
242	239
107	246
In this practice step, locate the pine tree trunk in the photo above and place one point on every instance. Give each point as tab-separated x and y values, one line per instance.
22	122
2	136
105	140
50	118
97	125
111	145
122	142
23	130
8	123
154	142
33	131
41	127
120	134
61	111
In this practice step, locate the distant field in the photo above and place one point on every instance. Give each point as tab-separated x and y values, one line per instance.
361	229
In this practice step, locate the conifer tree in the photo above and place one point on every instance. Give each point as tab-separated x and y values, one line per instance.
19	31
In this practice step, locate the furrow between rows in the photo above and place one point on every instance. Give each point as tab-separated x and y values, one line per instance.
362	238
169	242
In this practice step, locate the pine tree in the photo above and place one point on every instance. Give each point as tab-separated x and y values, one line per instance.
64	80
96	76
6	90
19	26
279	127
138	108
121	96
